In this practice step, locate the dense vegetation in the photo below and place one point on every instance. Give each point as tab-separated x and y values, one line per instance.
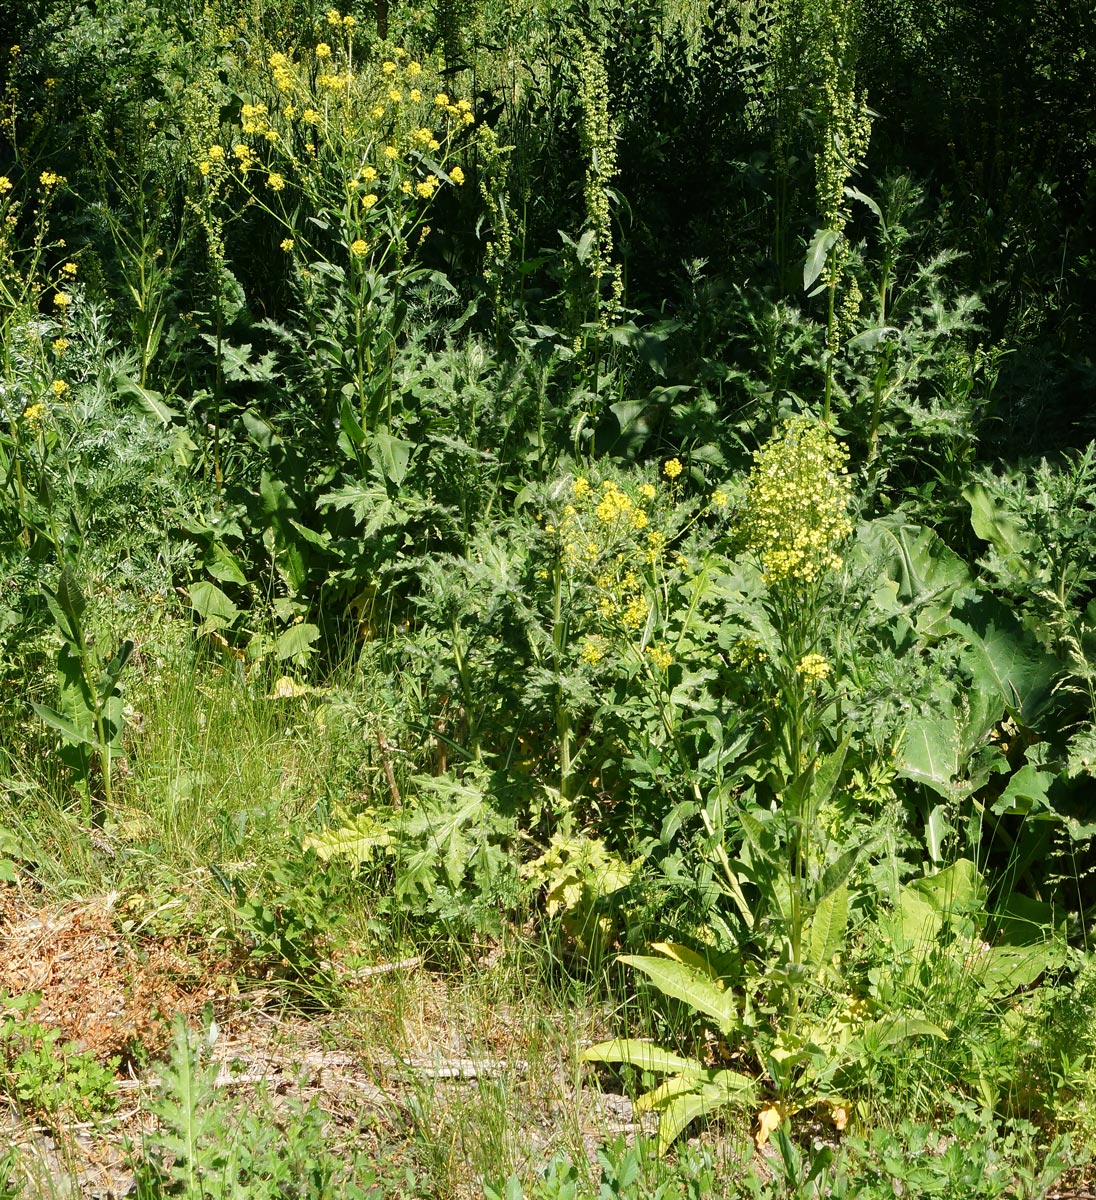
605	488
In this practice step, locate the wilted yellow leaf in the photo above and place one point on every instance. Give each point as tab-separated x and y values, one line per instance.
768	1121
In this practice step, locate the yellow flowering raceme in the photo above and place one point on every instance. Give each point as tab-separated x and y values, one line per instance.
797	503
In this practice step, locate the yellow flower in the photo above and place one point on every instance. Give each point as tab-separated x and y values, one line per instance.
593	650
287	244
395	96
289	112
427	188
389	67
469	119
69	270
60	345
369	199
813	667
673	468
580	487
323	50
797	503
216	153
441	100
415	95
391	152
719	498
62	300
334	17
275	181
33	415
203	167
456	175
5	184
359	248
660	656
349	21
367	174
414	68
58	387
405	187
377	111
310	116
464	106
647	491
50	179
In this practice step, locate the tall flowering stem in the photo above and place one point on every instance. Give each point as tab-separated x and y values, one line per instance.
795	522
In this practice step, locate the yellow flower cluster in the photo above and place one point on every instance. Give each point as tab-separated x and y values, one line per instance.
660	656
34	415
50	179
58	387
797	503
813	668
5	184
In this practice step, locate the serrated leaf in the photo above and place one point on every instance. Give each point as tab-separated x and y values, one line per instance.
637	1053
690	985
823	241
828	925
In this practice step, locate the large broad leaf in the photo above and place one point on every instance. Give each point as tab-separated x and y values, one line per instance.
636	1053
995	525
929	754
390	456
957	889
295	643
721	1089
152	402
691	985
1003	657
921	576
212	605
1002	970
1027	793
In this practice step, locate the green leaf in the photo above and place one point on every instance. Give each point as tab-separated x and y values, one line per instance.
726	1087
222	564
827	932
690	985
992	523
636	1053
959	888
1028	791
929	754
925	576
113	670
296	642
212	605
822	243
70	597
152	402
1003	657
890	1031
71	732
390	456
